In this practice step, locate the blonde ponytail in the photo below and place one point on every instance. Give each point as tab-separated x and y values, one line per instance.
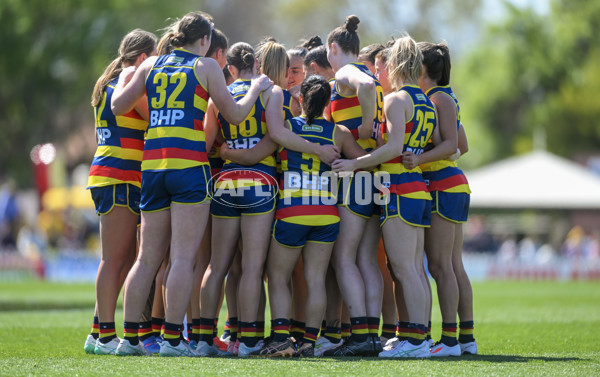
134	44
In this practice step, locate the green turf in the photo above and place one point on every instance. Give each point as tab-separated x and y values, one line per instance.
522	328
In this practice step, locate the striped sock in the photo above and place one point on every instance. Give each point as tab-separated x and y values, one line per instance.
465	333
233	329
173	333
248	333
416	333
360	328
95	328
189	327
297	329
216	328
206	330
346	328
449	334
260	329
107	332
157	326
131	332
310	335
145	330
195	335
388	330
162	331
227	328
428	334
323	327
333	334
373	324
402	330
280	329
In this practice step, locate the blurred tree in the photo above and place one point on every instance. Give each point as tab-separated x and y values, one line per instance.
53	52
529	72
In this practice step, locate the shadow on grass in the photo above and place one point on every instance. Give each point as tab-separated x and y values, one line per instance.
508	358
486	358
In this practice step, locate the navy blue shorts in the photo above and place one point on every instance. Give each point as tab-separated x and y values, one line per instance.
452	206
415	212
122	195
250	200
184	186
358	194
296	235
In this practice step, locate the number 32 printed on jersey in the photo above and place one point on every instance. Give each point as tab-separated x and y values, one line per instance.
159	116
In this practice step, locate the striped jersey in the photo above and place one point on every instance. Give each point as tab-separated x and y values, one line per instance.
287	115
245	136
307	189
214	159
347	112
417	132
287	105
118	158
448	91
177	101
445	175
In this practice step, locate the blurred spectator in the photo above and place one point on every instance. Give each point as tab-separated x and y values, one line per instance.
582	246
9	216
527	248
477	236
591	247
508	250
572	247
31	241
69	229
545	254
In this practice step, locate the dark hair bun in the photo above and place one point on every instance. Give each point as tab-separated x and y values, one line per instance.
316	92
351	23
248	58
178	39
443	48
314	42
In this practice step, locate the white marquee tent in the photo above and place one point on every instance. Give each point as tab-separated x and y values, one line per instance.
536	180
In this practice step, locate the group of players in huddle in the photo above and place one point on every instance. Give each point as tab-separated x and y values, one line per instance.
253	164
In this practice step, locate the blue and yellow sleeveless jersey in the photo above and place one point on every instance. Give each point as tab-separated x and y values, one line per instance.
287	105
177	101
214	159
445	175
346	111
245	136
287	115
306	195
118	158
418	131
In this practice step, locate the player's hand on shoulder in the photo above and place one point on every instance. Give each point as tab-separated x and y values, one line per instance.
328	153
262	81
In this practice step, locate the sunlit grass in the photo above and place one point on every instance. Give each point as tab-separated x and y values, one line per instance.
522	328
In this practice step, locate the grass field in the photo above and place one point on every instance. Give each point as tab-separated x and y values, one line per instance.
522	328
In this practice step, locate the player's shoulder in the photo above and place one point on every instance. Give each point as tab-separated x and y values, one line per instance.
397	98
274	92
